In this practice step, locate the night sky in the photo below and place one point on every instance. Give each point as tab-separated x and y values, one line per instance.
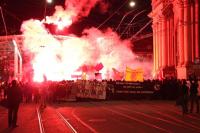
16	11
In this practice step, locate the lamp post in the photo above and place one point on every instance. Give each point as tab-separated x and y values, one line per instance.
4	23
45	7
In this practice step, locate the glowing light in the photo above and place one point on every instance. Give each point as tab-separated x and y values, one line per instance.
49	1
132	4
62	24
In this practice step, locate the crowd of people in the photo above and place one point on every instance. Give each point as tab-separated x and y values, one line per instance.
189	93
16	92
185	92
35	92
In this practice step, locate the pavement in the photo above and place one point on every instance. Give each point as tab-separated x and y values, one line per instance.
135	116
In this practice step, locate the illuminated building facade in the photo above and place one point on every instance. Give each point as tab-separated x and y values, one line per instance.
176	47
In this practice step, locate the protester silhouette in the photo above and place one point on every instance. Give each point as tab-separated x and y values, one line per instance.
14	96
193	94
184	96
5	87
43	92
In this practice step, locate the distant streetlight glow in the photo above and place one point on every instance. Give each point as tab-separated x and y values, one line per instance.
132	4
49	1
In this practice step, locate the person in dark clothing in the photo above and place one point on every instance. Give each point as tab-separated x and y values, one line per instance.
14	96
193	95
184	96
5	87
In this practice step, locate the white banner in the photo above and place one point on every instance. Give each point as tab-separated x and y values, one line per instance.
91	89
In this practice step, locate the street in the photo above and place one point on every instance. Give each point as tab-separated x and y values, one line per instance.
139	116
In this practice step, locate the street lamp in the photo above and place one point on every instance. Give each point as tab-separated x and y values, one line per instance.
45	7
49	1
132	4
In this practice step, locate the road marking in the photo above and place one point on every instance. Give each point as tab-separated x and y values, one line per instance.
83	123
175	119
169	116
97	120
178	113
66	122
158	118
138	120
40	121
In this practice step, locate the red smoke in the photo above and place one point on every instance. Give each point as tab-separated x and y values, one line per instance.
59	59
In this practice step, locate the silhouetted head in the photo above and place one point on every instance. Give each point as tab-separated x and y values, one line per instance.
184	82
14	82
196	80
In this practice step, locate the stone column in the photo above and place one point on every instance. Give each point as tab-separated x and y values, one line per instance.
159	45
164	43
180	35
171	51
154	47
197	47
192	32
187	33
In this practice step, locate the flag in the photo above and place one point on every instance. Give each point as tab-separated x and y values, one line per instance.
83	76
134	74
130	74
99	66
139	75
117	75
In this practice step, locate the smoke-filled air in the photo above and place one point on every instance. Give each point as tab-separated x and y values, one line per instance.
67	57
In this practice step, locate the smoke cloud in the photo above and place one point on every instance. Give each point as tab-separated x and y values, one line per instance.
59	58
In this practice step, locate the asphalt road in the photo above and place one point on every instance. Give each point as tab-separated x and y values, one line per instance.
135	116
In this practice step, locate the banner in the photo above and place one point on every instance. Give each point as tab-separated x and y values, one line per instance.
139	74
83	76
134	74
91	89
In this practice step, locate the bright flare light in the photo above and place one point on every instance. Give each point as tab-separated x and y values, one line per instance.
61	25
60	58
49	1
132	4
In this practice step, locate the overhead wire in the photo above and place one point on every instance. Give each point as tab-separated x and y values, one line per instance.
112	15
12	15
